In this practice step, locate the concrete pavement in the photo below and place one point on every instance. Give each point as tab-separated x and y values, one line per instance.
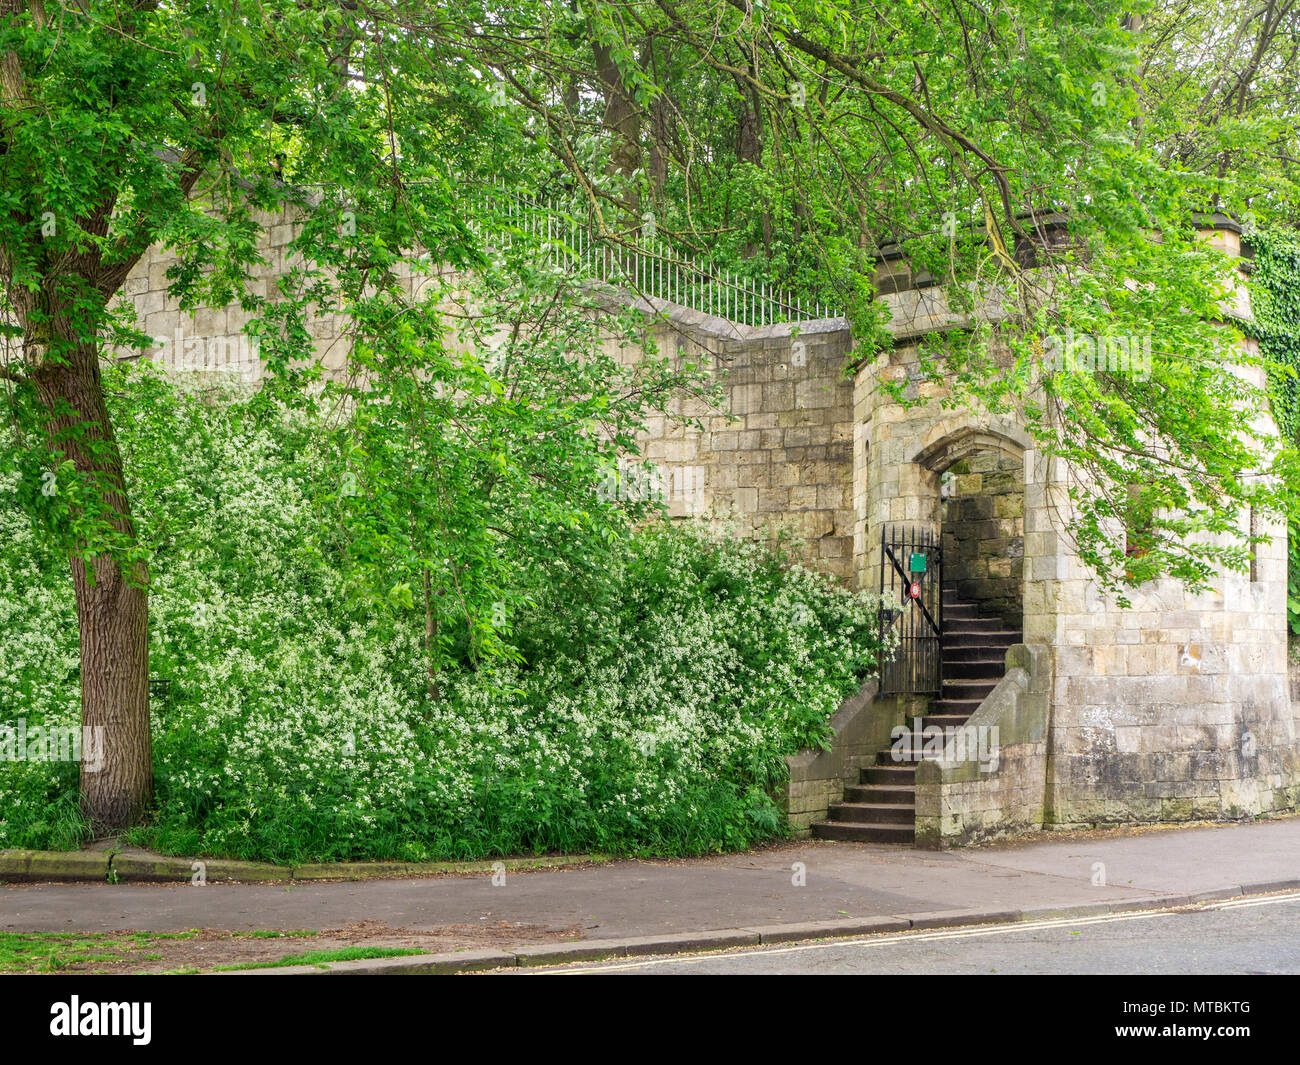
799	882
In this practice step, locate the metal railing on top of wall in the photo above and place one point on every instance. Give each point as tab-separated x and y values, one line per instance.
647	267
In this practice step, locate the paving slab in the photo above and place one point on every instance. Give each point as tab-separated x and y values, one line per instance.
1187	860
807	882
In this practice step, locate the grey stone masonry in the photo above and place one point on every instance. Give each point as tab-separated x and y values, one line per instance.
984	536
960	799
775	459
778	457
860	727
1172	708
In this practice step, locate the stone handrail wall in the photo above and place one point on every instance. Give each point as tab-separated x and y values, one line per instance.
959	802
861	727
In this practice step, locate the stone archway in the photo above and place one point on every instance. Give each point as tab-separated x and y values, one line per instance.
982	518
975	478
954	439
981	514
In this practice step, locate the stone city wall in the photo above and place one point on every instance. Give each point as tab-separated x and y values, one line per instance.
777	458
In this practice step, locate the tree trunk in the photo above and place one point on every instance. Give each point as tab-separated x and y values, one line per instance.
112	604
660	118
749	149
623	120
113	620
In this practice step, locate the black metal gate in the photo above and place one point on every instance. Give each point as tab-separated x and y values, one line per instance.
911	583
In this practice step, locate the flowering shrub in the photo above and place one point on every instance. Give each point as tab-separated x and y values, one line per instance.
644	709
652	711
39	676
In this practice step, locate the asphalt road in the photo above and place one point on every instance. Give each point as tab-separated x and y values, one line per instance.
1242	936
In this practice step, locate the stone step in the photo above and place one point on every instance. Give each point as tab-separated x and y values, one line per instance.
852	832
973	668
950	707
886	758
873	813
982	651
908	756
965	684
962	640
962	688
984	646
882	808
889	776
968	632
884	794
969	616
944	720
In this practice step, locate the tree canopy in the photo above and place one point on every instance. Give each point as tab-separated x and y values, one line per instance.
789	142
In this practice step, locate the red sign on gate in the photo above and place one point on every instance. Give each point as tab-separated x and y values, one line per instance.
914	590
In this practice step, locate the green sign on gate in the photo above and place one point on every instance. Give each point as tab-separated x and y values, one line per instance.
917	563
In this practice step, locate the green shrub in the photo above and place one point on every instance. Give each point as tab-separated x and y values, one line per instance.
1275	298
645	709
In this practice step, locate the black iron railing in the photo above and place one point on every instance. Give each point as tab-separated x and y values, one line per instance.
911	582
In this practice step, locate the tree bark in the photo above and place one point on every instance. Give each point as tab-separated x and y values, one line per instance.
58	319
749	145
660	117
112	602
622	118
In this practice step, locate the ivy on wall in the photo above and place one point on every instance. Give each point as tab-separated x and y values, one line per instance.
1275	297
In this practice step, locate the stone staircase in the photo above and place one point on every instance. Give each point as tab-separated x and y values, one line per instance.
881	806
